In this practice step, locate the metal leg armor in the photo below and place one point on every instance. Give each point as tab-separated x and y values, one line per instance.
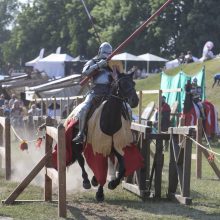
82	119
201	108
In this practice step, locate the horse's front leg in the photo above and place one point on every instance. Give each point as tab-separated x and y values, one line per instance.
100	194
114	183
81	161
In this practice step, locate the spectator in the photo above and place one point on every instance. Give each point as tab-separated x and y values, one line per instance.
51	111
207	53
6	109
165	115
216	79
2	100
181	58
34	111
189	57
12	100
17	114
64	113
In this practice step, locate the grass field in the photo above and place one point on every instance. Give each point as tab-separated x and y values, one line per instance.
121	204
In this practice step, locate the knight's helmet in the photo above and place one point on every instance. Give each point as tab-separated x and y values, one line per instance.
195	81
105	50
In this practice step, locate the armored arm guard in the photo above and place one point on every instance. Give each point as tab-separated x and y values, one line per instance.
92	66
89	67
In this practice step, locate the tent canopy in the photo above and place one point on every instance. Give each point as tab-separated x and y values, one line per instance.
150	57
34	61
126	57
54	64
54	57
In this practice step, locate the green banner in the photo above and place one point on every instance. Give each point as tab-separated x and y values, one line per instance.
179	81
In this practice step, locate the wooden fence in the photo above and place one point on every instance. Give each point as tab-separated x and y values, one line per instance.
57	135
5	148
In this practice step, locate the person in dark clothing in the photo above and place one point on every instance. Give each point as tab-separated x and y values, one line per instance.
165	115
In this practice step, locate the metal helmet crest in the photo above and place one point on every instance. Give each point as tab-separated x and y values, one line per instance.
105	50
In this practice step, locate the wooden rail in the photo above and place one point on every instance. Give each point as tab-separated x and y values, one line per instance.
159	92
57	135
5	148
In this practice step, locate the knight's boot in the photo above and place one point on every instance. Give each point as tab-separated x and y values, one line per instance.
202	113
80	136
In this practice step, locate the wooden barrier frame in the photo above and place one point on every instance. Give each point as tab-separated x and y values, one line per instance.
137	182
57	134
200	151
180	164
5	150
77	99
159	92
140	182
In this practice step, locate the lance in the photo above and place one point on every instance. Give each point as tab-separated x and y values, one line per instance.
91	20
131	37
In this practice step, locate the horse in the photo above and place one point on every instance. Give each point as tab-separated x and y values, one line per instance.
110	123
109	133
192	112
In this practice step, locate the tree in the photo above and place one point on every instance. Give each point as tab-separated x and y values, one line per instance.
8	11
117	19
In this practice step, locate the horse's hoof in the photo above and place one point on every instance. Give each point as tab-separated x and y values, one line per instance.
113	184
94	181
100	197
86	184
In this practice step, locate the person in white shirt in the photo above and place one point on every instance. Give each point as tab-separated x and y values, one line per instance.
207	53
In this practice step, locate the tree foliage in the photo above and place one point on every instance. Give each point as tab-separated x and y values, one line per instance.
8	11
183	25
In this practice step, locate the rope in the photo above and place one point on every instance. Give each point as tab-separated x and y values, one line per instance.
207	141
211	151
22	140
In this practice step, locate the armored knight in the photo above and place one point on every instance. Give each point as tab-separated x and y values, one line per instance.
196	92
101	82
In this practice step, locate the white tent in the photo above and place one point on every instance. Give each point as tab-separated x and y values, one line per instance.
126	57
54	64
150	57
34	61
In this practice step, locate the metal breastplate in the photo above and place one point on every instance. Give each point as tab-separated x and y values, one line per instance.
103	77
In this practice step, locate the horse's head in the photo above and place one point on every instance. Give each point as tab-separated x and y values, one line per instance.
126	89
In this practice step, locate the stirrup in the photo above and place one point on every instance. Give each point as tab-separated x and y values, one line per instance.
79	138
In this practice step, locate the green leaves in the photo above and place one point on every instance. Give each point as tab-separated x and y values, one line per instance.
182	26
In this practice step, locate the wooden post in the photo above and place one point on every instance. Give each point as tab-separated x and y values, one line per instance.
42	107
158	167
68	104
1	134
173	175
48	180
140	107
46	106
159	110
198	149
61	108
187	168
7	149
61	159
143	171
54	107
